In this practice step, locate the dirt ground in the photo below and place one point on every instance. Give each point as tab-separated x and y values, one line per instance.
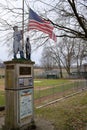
41	124
2	88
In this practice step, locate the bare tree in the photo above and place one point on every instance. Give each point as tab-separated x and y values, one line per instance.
55	55
70	20
11	15
69	52
68	16
47	61
80	53
63	54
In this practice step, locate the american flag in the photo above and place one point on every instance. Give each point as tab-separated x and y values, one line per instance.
38	23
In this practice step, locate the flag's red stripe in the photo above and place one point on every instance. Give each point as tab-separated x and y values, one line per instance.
50	33
38	23
42	28
38	27
41	24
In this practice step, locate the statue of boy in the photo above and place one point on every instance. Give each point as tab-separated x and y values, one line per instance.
28	49
17	36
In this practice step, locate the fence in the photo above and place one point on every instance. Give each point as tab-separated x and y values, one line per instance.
47	95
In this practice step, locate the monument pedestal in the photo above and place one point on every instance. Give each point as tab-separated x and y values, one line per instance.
19	92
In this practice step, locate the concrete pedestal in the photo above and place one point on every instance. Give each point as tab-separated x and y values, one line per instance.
19	92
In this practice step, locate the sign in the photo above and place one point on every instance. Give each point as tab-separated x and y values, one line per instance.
25	82
25	103
25	70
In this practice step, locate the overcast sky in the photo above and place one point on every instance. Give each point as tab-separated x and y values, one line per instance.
36	55
38	7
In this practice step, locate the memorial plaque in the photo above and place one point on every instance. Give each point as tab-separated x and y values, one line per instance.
25	70
25	103
21	82
25	82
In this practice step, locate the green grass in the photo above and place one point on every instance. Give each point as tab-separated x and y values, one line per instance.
54	86
50	82
68	114
50	91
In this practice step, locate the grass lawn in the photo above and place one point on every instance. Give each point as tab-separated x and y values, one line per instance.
68	114
54	86
50	82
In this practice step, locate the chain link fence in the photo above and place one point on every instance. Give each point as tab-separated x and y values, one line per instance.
50	94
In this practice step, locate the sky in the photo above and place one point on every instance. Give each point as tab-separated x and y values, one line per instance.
4	54
36	54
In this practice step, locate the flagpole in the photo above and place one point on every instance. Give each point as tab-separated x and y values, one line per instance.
23	24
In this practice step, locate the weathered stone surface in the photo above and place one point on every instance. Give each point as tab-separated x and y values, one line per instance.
21	61
19	106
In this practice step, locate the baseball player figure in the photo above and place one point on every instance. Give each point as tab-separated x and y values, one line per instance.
17	36
28	49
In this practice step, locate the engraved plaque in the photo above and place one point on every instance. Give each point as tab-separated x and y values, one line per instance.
25	103
25	70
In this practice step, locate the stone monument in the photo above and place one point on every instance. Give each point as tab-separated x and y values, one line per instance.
19	90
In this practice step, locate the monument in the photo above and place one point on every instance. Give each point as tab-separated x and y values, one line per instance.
19	90
19	86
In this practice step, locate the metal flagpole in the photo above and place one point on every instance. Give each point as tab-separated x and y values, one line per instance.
23	24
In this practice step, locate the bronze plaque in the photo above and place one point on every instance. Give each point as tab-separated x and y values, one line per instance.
25	70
